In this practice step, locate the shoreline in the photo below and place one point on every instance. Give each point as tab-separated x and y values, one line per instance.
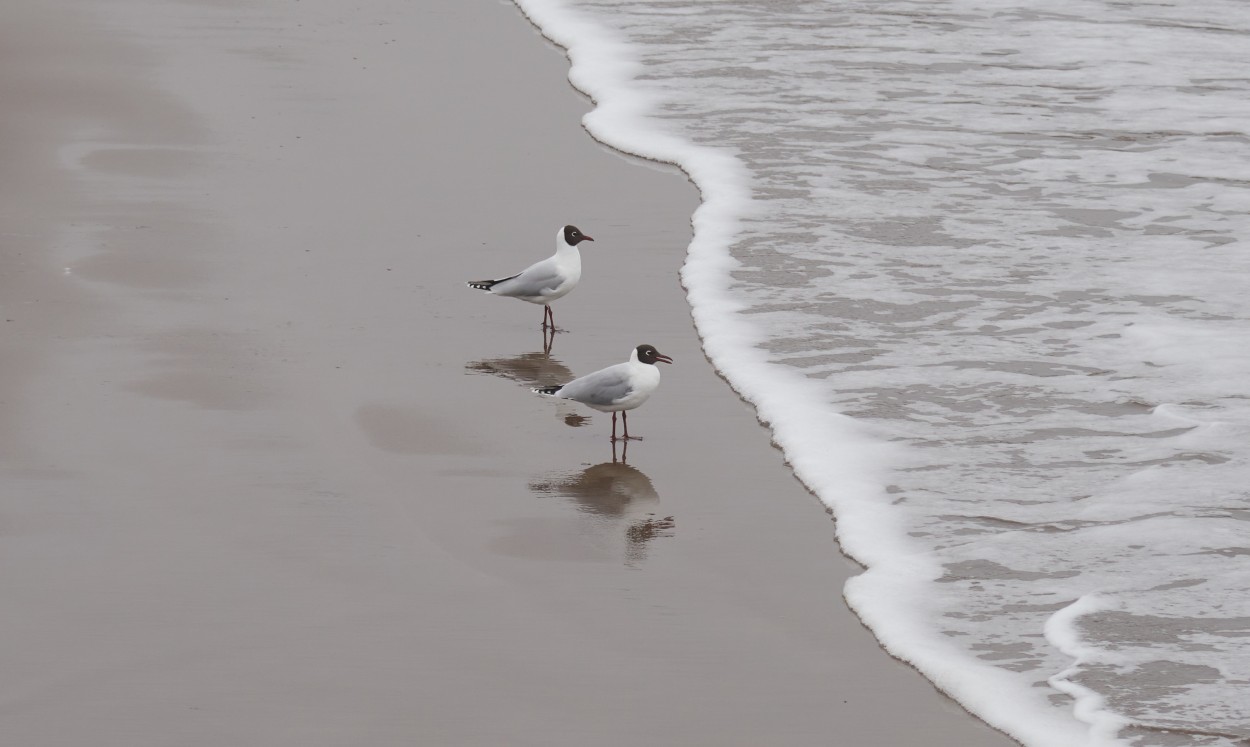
294	489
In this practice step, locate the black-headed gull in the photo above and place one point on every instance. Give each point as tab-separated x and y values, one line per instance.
618	388
545	281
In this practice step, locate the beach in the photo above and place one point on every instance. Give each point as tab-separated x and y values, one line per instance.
272	475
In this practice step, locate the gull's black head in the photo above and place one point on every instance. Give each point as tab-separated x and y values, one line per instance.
573	236
648	354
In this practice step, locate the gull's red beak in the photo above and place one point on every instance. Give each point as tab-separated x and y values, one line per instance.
587	238
662	358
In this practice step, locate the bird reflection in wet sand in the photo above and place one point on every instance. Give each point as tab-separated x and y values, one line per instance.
531	369
614	493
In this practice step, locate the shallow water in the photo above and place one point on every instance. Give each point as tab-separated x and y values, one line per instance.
1007	241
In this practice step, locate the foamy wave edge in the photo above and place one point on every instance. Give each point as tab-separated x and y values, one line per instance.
839	459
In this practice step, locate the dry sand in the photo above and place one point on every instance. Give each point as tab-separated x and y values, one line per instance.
270	474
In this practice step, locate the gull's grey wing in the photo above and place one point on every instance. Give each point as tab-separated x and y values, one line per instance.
536	280
601	388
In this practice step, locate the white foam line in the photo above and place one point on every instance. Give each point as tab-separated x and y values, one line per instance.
832	454
1061	632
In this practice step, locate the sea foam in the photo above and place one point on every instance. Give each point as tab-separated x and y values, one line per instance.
989	297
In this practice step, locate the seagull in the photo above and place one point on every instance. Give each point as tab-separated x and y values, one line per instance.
545	281
618	388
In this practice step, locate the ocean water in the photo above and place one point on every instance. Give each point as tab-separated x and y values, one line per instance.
982	269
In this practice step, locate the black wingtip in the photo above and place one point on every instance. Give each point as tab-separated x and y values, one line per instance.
546	389
486	285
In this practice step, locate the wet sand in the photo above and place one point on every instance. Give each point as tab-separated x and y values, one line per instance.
271	474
